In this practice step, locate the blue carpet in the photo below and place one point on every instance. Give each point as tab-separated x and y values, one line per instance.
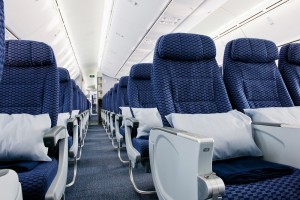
102	176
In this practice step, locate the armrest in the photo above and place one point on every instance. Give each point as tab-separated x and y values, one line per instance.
172	151
133	155
72	123
278	143
10	187
53	135
57	187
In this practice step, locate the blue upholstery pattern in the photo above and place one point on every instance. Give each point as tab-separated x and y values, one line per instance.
289	67
185	85
2	37
114	98
65	91
252	83
30	71
75	96
111	102
253	50
191	48
140	95
139	87
122	131
122	98
30	80
141	145
36	182
286	187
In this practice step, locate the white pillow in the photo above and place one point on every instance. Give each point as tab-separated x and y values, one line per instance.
126	113
282	115
148	118
21	137
62	119
74	113
232	132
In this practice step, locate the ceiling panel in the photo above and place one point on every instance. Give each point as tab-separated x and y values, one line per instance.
40	21
83	20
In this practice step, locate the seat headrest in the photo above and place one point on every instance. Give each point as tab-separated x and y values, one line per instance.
115	89
293	54
185	46
123	81
64	75
73	84
23	53
252	50
141	71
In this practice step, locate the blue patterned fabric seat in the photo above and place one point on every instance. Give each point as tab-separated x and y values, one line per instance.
289	67
36	182
66	97
186	77
185	63
140	95
2	38
75	96
111	103
65	91
30	71
286	187
114	98
253	81
142	145
122	131
251	76
122	97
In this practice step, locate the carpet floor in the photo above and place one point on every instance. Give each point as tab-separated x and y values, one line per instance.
102	176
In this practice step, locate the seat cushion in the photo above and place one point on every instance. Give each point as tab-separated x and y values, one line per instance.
122	131
70	142
36	182
142	145
286	187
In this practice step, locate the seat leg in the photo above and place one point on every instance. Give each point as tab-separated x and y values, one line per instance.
113	141
74	173
119	154
133	182
79	152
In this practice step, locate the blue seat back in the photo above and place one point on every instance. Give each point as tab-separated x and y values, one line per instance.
139	87
65	91
2	37
122	97
30	81
114	98
186	77
79	99
111	102
289	67
75	96
251	76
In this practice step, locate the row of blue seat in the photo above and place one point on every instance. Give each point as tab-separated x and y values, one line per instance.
32	84
185	78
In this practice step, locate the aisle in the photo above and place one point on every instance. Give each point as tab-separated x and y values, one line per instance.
102	176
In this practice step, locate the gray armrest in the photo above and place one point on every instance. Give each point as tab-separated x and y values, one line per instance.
118	121
278	143
57	187
133	155
54	135
172	151
74	148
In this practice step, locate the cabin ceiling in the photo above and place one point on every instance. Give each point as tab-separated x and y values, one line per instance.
74	28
